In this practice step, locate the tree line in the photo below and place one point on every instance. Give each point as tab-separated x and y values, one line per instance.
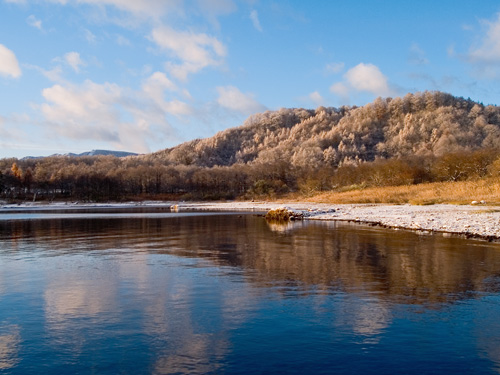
424	137
108	178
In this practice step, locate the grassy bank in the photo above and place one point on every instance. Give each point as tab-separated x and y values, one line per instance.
463	192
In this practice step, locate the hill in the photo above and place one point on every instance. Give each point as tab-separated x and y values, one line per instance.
422	124
428	137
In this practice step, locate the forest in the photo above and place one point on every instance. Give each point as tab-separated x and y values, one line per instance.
419	138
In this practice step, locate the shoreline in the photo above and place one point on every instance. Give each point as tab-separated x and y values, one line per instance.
470	221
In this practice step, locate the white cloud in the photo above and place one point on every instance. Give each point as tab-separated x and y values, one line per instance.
91	104
363	78
489	49
368	77
126	119
232	98
159	81
9	66
195	51
154	88
34	22
254	16
89	112
73	59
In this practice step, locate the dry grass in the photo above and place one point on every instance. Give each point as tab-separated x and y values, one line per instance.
281	215
463	192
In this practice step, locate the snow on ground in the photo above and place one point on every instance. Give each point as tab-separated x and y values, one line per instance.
469	220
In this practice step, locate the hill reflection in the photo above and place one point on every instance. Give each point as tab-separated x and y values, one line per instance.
306	257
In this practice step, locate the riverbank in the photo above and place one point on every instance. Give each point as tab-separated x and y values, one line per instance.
473	221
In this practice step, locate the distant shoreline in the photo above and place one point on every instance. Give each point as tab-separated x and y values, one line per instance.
470	221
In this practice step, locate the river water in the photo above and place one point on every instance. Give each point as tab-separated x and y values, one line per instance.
104	291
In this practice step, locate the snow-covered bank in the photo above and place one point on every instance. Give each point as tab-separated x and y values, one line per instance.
471	221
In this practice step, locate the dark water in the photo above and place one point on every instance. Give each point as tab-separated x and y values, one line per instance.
106	292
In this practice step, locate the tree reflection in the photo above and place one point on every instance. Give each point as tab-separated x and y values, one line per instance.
401	266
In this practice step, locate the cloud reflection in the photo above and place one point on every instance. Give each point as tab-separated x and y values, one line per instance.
10	340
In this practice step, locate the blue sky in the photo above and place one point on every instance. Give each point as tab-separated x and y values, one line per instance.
77	75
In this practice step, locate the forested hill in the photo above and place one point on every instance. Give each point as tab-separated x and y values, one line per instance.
427	137
421	124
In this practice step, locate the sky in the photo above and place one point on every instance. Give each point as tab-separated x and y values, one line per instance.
141	76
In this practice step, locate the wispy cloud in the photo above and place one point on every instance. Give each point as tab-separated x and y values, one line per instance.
145	9
89	36
484	56
212	9
340	89
217	7
122	41
54	75
74	60
334	68
488	50
417	56
34	22
254	16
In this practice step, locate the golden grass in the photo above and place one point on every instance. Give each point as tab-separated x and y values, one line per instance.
280	215
463	192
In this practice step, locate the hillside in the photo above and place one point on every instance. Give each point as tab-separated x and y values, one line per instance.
430	137
423	124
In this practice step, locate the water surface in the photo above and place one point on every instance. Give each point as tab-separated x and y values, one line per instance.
149	291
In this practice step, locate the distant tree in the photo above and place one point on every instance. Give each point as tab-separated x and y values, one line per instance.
16	171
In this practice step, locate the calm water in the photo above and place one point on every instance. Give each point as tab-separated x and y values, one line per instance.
149	291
